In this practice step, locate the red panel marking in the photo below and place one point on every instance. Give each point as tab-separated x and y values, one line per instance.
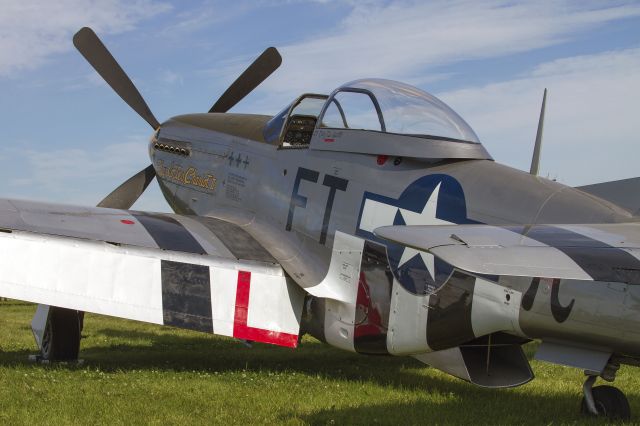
382	159
240	328
372	325
329	140
127	222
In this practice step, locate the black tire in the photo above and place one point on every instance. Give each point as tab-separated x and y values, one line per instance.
610	403
61	339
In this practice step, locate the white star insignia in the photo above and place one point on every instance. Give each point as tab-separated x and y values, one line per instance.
376	214
426	217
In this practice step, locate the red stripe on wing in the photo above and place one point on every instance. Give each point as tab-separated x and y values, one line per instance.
240	328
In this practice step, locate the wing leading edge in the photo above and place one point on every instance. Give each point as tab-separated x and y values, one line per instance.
163	269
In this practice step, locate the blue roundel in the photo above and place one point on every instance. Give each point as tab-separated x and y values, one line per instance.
430	200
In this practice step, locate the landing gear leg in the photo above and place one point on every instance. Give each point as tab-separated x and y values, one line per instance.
588	403
605	401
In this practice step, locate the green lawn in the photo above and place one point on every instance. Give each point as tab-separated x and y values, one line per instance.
141	374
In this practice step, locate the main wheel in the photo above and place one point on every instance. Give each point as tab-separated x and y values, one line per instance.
61	338
610	402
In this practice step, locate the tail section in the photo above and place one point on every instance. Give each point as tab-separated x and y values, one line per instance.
624	193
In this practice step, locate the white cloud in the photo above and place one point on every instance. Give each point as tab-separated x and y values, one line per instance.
32	30
52	170
591	126
408	39
199	17
91	79
170	77
76	175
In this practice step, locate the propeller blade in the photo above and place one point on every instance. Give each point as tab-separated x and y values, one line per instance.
90	46
258	71
126	194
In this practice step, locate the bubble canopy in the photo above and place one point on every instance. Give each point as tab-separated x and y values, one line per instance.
393	107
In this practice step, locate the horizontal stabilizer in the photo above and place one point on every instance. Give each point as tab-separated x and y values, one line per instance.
606	252
624	193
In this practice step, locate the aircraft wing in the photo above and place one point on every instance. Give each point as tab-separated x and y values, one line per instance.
602	252
185	271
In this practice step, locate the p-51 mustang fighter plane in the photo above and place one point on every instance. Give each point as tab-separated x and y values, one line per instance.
371	218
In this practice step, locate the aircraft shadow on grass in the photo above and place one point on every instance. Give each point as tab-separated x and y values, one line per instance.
509	408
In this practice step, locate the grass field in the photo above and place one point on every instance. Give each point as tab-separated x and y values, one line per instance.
142	374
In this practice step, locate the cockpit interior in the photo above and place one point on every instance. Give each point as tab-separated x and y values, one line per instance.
294	125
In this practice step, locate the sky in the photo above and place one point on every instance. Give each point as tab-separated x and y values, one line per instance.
66	137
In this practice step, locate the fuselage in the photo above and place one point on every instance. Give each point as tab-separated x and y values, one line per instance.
294	200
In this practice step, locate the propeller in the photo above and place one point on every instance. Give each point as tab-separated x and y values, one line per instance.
128	193
99	57
90	46
256	73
